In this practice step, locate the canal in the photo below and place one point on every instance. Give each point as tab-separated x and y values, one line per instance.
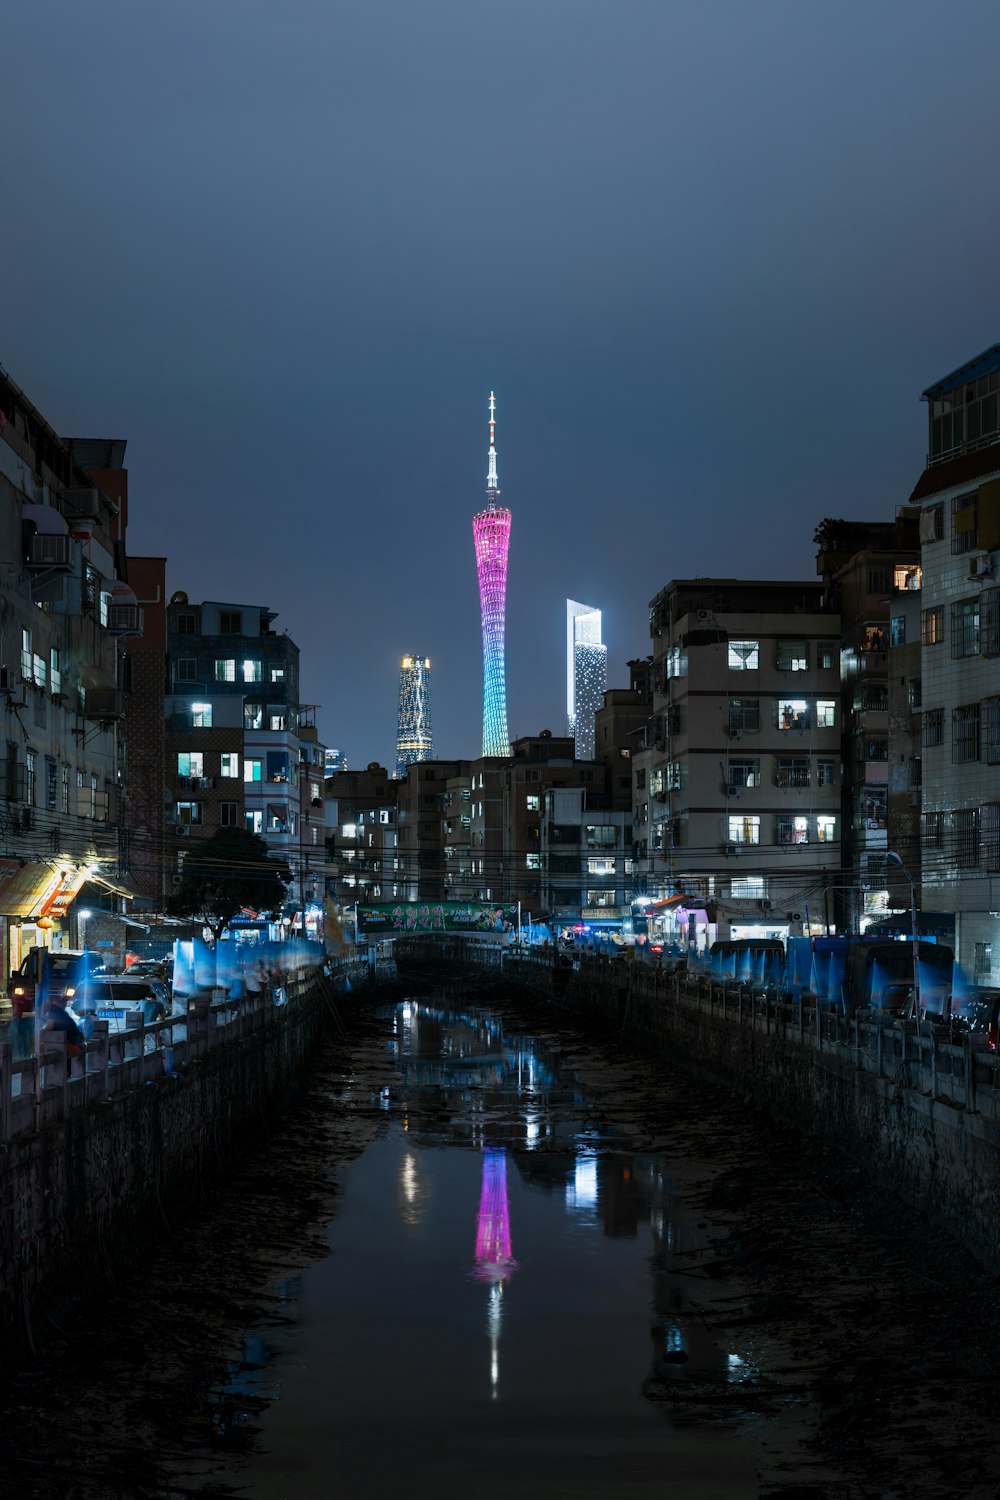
490	1254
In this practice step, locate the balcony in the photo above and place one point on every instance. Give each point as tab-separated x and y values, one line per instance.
103	704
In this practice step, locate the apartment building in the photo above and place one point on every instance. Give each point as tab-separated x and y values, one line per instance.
619	723
67	606
362	857
959	498
586	858
737	791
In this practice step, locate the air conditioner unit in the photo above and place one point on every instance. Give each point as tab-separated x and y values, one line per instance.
728	790
981	566
176	879
766	905
731	849
735	734
703	616
51	551
86	502
125	619
19	695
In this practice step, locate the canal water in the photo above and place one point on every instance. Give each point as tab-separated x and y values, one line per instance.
507	1305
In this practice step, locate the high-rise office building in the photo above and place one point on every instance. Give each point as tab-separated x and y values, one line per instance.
414	740
586	674
491	531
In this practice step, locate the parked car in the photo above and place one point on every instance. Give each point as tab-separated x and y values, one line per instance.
63	971
110	997
150	968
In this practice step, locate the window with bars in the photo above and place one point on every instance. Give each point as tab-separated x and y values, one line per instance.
186	669
932	727
792	771
793	830
932	626
744	656
826	829
876	749
793	656
748	888
873	695
989	731
983	959
744	715
744	773
744	830
965	627
187	624
989	622
963	522
878	580
989	835
826	773
230	622
967	838
965	733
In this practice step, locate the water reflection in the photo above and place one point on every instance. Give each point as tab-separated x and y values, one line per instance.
495	1262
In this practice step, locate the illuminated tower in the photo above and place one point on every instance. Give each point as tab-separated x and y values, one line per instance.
491	530
586	675
413	732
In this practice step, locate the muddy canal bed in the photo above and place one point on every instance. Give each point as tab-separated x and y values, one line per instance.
490	1253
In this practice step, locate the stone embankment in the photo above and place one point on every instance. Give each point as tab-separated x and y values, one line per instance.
96	1149
920	1108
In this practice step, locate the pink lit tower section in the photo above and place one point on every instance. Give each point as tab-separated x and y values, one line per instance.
491	530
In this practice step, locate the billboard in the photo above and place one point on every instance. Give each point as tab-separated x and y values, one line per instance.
436	916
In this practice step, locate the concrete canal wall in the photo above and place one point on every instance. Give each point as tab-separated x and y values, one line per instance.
96	1164
921	1111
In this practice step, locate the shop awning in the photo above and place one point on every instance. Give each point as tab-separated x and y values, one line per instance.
668	904
118	886
24	886
59	901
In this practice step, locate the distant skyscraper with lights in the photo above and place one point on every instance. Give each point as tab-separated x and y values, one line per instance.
414	740
586	675
491	531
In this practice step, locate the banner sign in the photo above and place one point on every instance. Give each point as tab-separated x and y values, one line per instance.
437	916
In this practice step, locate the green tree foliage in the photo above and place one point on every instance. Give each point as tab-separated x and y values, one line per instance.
225	874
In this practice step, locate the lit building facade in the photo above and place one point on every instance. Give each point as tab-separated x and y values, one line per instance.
491	533
414	737
586	674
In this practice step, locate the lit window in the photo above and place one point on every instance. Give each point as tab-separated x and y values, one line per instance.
253	821
253	716
189	814
277	674
534	861
26	655
251	671
201	715
932	626
40	671
229	764
55	676
531	802
253	770
276	721
744	656
600	866
190	763
826	713
793	713
793	830
793	656
749	888
744	830
225	670
349	831
826	830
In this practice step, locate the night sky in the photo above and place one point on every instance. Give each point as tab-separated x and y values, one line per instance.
707	255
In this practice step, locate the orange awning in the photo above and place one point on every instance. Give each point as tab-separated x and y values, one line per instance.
59	901
24	887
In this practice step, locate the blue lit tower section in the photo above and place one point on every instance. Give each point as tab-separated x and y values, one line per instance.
414	741
491	530
586	675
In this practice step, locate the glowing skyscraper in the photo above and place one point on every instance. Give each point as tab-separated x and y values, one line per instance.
491	530
586	675
414	740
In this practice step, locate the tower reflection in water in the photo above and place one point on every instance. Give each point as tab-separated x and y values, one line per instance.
495	1263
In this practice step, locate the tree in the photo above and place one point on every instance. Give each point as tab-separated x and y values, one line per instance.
225	874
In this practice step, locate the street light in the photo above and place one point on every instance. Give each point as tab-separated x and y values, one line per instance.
83	918
894	858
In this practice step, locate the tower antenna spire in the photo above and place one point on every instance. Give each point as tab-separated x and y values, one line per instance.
492	483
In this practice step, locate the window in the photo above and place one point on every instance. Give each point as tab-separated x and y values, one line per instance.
29	793
229	814
963	522
51	783
989	731
878	580
253	822
26	655
187	624
55	675
201	715
64	791
826	713
793	713
225	670
744	716
277	765
275	721
825	773
601	898
253	716
277	674
600	836
967	838
793	830
989	836
640	780
965	733
229	763
40	674
230	622
876	749
744	773
826	829
932	829
935	525
932	727
793	656
932	626
533	861
186	669
914	692
828	652
748	888
189	814
672	776
983	960
965	627
253	770
251	671
531	802
744	830
744	656
601	865
906	578
190	763
873	695
897	630
989	622
792	771
674	662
